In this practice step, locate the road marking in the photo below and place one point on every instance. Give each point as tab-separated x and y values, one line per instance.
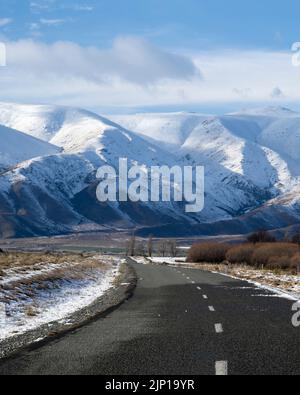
211	308
221	368
205	297
219	328
199	288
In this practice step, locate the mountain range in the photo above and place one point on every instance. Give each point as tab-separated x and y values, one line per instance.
49	156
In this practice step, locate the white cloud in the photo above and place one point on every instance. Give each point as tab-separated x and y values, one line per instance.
42	5
130	59
135	73
82	7
52	22
5	21
51	5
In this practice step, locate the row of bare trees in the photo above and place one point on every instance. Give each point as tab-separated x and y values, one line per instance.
150	247
266	237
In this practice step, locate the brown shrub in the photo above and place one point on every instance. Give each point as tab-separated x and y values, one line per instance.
296	239
208	252
241	254
295	262
265	252
279	263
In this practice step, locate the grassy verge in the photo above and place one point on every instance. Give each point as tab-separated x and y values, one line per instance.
24	277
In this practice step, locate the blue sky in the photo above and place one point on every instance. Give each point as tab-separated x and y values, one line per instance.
184	23
200	32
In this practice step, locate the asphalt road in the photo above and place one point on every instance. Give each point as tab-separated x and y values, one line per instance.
179	321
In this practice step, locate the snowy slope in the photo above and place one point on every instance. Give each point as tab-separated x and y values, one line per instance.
71	128
168	130
251	162
39	121
17	147
261	145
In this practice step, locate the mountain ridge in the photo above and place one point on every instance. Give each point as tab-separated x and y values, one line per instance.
252	177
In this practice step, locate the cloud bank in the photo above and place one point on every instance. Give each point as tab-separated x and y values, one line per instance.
130	59
134	73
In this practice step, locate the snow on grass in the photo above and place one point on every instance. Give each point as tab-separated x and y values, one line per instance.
31	296
159	260
141	260
168	260
283	285
273	292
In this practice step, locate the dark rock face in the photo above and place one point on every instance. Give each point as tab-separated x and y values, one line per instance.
31	211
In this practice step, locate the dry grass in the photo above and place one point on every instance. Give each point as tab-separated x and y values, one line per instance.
11	260
31	273
31	311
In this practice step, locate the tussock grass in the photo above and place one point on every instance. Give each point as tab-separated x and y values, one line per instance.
30	273
10	260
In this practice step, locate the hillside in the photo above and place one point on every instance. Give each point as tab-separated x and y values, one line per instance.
16	147
250	158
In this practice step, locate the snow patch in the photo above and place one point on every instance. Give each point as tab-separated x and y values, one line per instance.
44	302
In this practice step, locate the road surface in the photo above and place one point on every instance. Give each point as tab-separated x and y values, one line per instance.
179	321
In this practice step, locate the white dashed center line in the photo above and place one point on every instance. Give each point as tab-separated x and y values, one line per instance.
219	328
222	368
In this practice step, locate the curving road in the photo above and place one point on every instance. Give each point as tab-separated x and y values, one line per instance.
179	321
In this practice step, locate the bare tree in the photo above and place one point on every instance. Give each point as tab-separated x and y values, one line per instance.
163	248
173	248
261	237
296	239
140	249
150	246
131	245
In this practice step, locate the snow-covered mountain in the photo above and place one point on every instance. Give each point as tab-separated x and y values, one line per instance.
260	145
16	147
67	127
251	159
